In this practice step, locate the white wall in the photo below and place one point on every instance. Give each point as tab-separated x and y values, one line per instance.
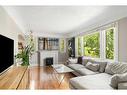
9	28
122	34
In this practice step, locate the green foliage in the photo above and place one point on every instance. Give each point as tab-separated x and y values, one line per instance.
109	44
24	55
79	46
26	51
62	45
92	45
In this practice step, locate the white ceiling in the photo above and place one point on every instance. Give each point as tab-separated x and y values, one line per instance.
62	20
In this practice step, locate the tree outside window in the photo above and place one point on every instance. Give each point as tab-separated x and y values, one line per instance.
92	45
110	44
79	47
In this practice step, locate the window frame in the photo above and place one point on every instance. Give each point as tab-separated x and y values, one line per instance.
76	46
115	28
102	33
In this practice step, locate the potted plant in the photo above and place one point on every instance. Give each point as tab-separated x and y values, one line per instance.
24	55
26	51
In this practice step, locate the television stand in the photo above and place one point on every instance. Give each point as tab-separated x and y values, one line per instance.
13	78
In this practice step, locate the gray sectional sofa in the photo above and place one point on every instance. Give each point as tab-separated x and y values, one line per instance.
107	76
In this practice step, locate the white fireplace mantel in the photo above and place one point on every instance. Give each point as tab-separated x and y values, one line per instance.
45	54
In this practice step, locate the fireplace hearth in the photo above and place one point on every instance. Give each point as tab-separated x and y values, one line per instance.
49	61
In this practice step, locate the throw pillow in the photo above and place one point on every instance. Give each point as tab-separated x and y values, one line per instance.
109	67
118	78
86	60
79	60
116	68
72	60
92	66
102	65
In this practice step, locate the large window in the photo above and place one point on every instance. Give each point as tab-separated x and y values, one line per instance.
110	43
101	44
92	45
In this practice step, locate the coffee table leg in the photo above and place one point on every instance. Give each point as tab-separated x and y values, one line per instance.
55	74
62	79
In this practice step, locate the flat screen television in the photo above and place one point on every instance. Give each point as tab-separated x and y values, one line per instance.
6	53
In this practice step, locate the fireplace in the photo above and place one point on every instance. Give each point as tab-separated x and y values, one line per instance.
49	61
47	54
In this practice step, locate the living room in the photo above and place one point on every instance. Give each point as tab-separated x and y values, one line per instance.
63	47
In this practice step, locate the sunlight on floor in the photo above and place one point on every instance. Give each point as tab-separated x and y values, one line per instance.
32	85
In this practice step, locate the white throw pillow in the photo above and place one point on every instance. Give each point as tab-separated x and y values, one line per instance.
92	66
73	60
116	68
118	78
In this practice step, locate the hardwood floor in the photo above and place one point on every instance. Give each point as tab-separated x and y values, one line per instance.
47	78
35	77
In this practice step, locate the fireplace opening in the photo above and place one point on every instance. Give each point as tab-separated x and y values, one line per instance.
49	61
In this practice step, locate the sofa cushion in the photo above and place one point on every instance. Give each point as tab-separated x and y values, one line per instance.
76	66
118	78
122	85
102	65
85	71
92	66
97	81
116	68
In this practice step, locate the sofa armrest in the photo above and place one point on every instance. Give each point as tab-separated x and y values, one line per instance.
122	85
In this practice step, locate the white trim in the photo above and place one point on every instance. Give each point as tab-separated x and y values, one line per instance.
76	46
82	46
93	32
115	27
116	42
102	44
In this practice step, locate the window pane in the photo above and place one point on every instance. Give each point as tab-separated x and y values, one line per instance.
92	45
79	46
110	44
61	45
